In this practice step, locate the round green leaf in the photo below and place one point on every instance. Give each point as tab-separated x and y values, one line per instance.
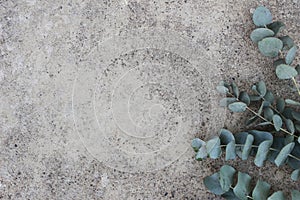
235	89
262	16
268	113
212	184
284	153
290	56
244	97
226	177
290	126
295	175
247	147
242	188
285	71
280	105
262	153
292	102
230	151
197	143
237	107
269	97
213	148
201	153
260	33
287	41
277	196
222	89
270	46
279	62
226	136
261	190
276	27
277	122
261	88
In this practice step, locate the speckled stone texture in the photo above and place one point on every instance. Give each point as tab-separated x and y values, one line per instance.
100	99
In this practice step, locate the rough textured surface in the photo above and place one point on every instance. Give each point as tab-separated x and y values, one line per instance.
59	59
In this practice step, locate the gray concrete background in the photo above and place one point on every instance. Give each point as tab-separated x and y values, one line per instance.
66	63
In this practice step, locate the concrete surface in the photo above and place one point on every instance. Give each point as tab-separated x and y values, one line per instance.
100	99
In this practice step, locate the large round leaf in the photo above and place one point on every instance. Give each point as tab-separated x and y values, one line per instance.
261	33
270	46
285	71
262	16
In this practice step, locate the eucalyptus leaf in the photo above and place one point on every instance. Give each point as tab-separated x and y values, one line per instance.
197	143
213	148
226	136
269	97
292	102
278	143
222	89
277	122
264	124
295	195
270	46
262	16
212	183
244	97
290	126
226	177
295	175
254	98
226	101
277	196
276	27
261	190
261	33
287	41
284	153
285	71
290	56
242	188
230	151
280	105
262	153
279	62
292	162
268	113
235	89
201	153
230	195
261	88
247	147
296	115
237	107
260	136
287	113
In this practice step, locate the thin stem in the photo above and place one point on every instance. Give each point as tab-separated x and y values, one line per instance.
296	85
255	146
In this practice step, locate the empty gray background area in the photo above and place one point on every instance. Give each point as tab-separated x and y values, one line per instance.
100	99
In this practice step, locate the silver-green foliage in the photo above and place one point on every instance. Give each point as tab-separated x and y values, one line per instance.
222	183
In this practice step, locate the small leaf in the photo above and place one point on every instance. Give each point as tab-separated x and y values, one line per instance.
197	143
264	124
247	147
292	102
287	42
290	126
268	113
230	151
226	136
226	101
201	153
261	88
287	113
279	62
260	33
277	196
289	139
278	143
284	153
296	115
235	89
212	184
230	195
261	190
277	122
262	153
270	46
276	27
260	136
244	97
254	98
280	105
213	148
240	138
269	97
285	71
290	56
242	188
262	16
226	177
237	107
295	175
295	195
222	89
